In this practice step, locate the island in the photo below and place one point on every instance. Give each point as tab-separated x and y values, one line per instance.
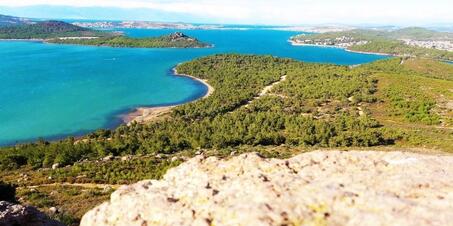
65	33
175	40
409	42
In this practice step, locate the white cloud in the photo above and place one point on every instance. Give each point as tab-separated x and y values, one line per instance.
282	11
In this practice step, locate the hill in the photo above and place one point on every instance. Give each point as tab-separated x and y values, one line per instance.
274	106
64	33
13	21
418	33
175	40
413	41
47	30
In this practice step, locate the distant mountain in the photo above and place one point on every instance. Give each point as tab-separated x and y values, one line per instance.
48	29
12	21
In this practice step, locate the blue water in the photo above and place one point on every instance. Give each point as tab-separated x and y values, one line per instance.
51	91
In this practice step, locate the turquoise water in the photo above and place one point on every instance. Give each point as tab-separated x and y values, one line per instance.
51	91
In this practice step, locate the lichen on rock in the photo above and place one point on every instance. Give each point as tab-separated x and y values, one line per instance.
316	188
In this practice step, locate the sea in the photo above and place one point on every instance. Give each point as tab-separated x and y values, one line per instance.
50	91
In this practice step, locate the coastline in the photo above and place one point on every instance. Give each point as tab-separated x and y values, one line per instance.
49	41
23	40
371	53
339	47
149	114
293	43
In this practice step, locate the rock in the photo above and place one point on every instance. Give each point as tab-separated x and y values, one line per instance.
108	158
107	189
126	158
178	35
14	214
56	166
320	188
174	159
53	210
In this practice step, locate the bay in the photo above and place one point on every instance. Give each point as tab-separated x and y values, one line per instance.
52	91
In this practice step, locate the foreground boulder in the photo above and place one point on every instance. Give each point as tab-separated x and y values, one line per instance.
316	188
15	214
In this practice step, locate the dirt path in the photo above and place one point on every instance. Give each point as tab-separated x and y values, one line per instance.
266	90
269	87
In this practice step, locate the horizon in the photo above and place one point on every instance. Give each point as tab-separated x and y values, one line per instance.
296	13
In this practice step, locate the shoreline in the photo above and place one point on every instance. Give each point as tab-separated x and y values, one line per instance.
370	53
49	41
149	114
293	43
23	40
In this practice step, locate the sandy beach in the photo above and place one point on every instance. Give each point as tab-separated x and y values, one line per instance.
149	114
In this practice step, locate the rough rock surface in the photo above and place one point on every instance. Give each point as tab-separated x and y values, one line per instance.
316	188
14	214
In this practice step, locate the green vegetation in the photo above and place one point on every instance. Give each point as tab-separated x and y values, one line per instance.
176	40
47	30
398	48
72	201
222	121
419	33
115	172
386	42
414	33
318	105
430	68
397	102
11	20
65	33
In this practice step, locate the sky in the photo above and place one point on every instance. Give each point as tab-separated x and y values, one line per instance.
272	12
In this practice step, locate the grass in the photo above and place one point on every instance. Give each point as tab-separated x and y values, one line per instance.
67	199
412	103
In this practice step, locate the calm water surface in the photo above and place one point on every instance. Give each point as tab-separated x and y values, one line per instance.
50	91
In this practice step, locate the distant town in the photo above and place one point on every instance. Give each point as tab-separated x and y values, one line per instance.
145	25
430	44
348	41
342	42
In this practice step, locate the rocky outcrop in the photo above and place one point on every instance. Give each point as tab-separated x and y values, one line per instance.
15	214
316	188
178	35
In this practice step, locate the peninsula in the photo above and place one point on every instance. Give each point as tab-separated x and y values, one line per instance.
64	33
409	42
